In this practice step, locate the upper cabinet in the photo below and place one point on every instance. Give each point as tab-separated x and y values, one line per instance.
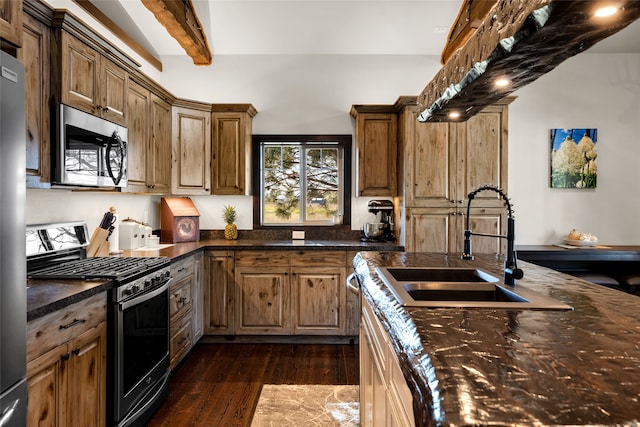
11	21
231	156
34	54
376	134
149	141
191	142
89	81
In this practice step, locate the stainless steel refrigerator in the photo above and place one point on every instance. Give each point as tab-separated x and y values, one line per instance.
13	268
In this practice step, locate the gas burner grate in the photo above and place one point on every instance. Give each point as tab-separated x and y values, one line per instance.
116	268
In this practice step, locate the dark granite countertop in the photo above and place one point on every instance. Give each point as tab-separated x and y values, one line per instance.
514	367
44	296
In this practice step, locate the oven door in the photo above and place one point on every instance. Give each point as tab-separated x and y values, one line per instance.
140	350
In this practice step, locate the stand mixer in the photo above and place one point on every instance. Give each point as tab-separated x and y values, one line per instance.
381	231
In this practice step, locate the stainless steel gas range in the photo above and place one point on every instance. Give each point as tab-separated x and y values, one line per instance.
138	315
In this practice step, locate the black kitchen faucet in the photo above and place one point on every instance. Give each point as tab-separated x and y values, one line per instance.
511	270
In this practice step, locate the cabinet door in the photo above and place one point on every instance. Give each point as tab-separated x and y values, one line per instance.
427	230
34	54
47	388
318	300
191	157
482	220
80	78
218	293
138	124
231	153
113	91
376	151
262	300
429	158
11	21
482	155
87	378
198	298
159	158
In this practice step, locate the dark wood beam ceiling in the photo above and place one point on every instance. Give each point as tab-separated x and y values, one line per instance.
519	40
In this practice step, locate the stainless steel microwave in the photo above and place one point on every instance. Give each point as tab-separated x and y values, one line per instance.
87	151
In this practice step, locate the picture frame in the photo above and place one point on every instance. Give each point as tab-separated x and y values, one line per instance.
573	158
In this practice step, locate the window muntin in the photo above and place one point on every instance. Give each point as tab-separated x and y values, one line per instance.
302	180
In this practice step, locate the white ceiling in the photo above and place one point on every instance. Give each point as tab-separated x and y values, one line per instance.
307	27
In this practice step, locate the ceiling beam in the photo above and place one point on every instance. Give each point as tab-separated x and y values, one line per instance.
518	40
182	23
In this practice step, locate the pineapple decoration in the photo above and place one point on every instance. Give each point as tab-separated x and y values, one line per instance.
230	215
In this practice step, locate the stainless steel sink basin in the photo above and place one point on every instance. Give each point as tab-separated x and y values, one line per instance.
460	287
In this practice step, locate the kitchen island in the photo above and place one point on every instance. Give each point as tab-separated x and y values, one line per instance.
513	367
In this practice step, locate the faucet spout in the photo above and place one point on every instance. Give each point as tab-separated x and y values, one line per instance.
511	270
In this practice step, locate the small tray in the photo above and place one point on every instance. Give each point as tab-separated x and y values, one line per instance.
581	242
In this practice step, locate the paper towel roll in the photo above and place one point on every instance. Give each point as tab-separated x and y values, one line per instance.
115	234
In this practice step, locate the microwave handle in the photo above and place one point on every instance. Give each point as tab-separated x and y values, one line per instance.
117	141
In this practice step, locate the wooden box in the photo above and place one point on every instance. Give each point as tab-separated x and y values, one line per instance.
179	220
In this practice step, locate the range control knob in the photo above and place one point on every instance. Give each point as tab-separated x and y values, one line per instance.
135	288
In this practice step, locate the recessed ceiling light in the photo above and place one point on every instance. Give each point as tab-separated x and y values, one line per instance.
603	12
501	82
454	115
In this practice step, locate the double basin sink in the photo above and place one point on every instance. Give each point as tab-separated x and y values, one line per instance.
448	287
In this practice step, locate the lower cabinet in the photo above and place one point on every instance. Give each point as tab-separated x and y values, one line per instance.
182	310
219	293
385	398
252	292
66	365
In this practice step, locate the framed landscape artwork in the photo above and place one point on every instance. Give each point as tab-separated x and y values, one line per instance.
573	158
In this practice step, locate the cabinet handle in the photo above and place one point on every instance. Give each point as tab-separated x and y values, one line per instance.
75	322
66	356
76	352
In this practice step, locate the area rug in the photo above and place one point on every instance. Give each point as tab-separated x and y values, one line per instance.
308	406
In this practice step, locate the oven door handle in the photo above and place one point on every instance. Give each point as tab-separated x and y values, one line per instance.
144	297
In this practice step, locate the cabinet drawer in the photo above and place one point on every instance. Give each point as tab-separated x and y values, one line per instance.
183	268
262	258
181	339
180	297
58	327
318	258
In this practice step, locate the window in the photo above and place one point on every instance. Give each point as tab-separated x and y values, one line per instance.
302	179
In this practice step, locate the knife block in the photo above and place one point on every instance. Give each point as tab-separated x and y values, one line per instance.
98	245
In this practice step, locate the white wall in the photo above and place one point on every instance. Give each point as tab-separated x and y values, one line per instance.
588	91
313	94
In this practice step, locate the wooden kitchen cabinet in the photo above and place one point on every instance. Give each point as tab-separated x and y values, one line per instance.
262	297
89	81
149	141
441	163
34	54
376	137
11	21
318	292
385	398
219	293
231	151
181	309
66	365
198	297
278	292
191	148
159	158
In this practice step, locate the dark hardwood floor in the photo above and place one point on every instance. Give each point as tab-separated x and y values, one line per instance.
219	384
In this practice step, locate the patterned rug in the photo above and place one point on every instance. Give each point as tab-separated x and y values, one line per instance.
308	406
